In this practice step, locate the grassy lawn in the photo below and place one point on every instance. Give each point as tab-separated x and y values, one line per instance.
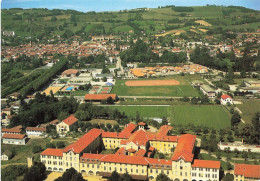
24	151
79	93
144	111
104	121
174	91
249	108
206	115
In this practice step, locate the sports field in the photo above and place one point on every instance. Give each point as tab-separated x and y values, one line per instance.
145	111
206	115
184	89
151	82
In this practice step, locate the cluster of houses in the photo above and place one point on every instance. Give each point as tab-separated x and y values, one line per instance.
167	70
71	79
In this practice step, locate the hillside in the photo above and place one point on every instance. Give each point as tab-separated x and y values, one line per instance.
41	23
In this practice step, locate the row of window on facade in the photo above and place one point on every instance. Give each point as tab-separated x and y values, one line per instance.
206	175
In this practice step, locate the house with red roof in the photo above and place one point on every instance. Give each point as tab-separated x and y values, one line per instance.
65	126
14	139
226	99
246	172
70	73
35	131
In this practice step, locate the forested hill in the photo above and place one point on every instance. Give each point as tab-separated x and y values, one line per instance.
40	23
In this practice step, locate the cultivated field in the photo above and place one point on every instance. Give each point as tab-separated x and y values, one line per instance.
175	32
202	22
206	115
173	91
144	111
151	82
249	108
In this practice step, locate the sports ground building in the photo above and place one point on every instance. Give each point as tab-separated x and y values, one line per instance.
137	147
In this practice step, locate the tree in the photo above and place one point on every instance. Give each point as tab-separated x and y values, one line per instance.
60	144
181	130
114	176
235	119
110	100
70	175
228	177
161	156
218	155
230	138
50	145
36	172
205	131
162	177
108	125
63	115
36	149
229	166
12	172
126	177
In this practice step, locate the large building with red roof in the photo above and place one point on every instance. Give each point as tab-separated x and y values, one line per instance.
246	172
137	147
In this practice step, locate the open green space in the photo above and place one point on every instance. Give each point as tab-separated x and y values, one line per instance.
24	151
144	111
249	108
184	89
213	116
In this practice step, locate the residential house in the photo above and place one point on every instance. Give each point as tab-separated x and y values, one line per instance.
65	126
35	131
226	99
14	139
6	155
207	90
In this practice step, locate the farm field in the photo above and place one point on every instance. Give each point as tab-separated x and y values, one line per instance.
249	108
144	111
206	115
184	89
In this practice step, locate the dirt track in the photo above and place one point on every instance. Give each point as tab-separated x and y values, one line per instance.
151	82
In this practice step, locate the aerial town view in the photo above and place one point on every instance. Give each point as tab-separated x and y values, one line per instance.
129	90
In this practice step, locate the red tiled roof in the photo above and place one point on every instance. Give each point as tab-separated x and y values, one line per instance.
184	148
251	171
84	141
109	134
140	152
154	161
126	132
97	97
70	120
206	164
136	160
131	150
35	129
120	151
91	156
13	136
11	130
52	152
70	71
54	121
225	96
139	138
141	124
